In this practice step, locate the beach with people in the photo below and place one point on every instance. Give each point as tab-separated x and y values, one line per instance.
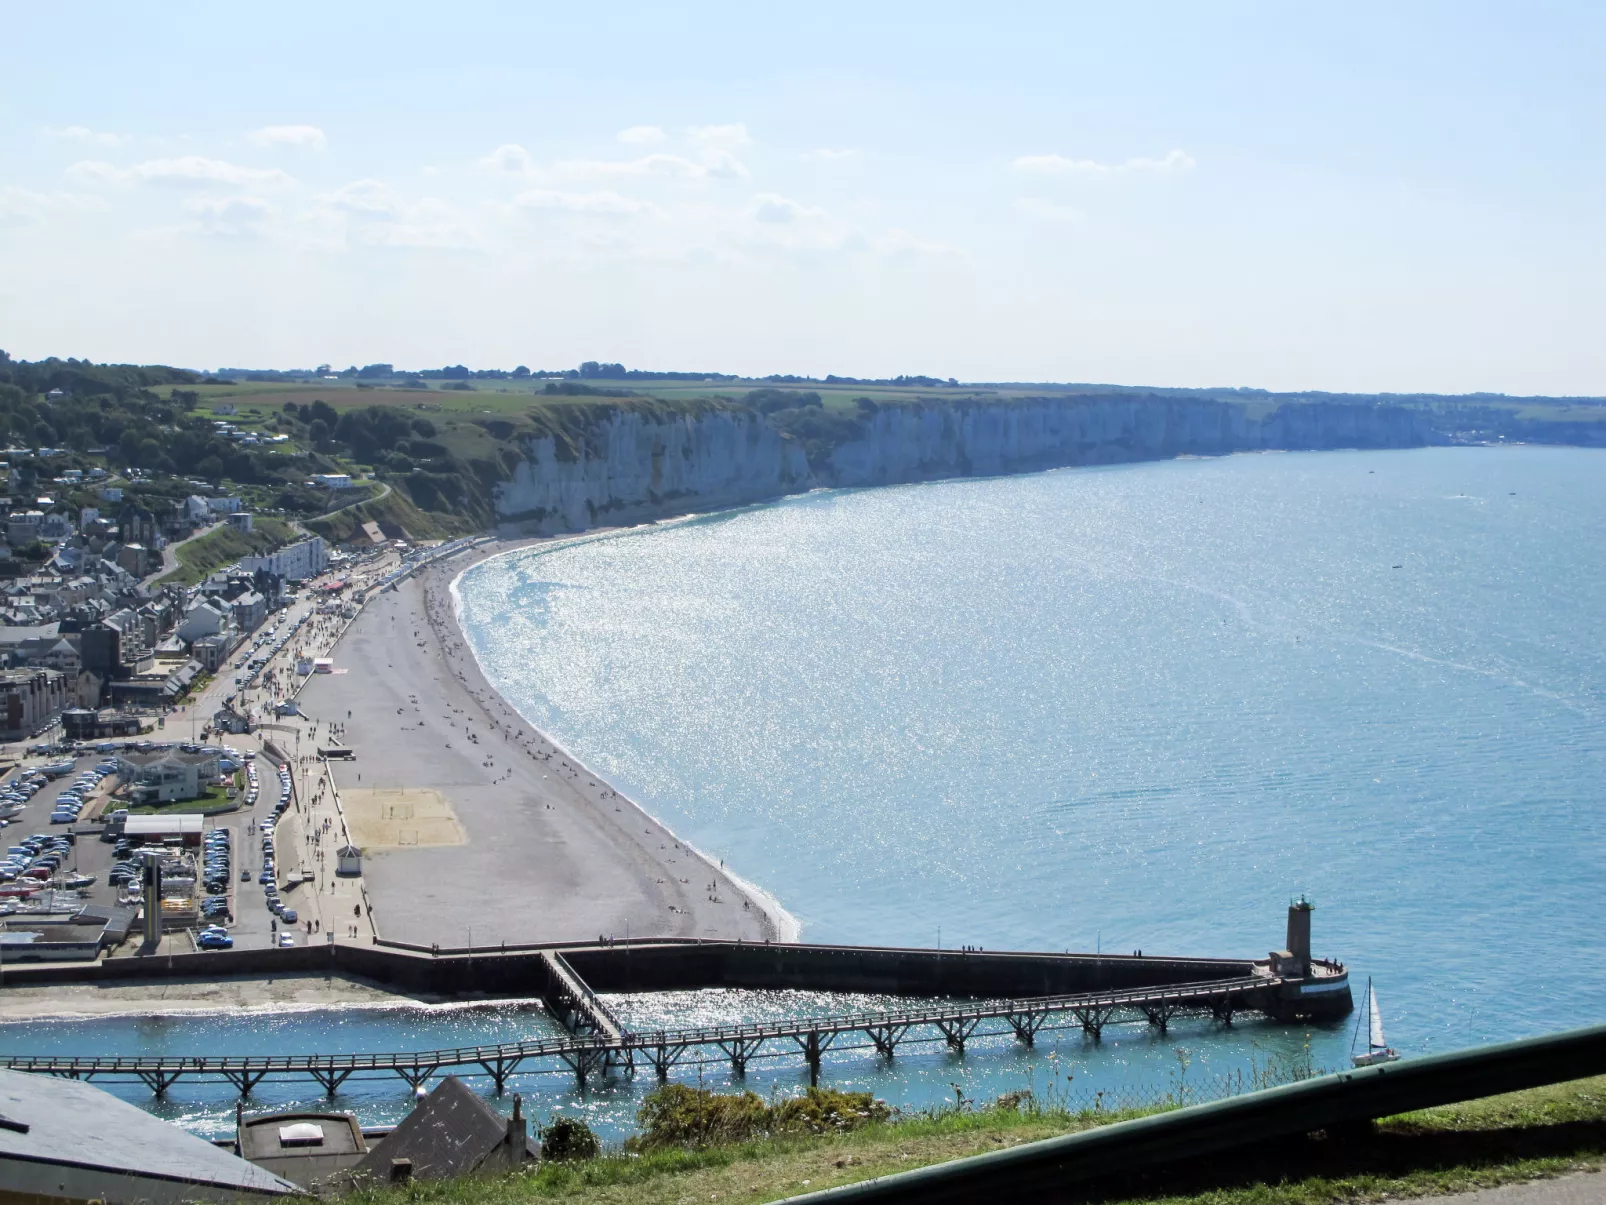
476	828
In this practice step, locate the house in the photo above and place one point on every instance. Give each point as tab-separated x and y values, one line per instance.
22	527
223	506
55	526
333	481
166	775
66	1140
451	1132
206	617
240	521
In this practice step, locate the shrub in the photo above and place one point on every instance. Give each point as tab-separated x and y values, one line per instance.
679	1116
568	1138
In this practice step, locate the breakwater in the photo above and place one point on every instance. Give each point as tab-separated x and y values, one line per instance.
964	995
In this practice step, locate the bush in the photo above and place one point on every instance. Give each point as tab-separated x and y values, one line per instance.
568	1138
679	1116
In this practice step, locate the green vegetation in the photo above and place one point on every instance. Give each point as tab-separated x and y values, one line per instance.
430	448
677	1116
202	556
1526	1135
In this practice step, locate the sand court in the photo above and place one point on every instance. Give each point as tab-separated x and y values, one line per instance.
398	818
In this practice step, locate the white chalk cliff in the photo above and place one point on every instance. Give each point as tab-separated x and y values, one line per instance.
632	466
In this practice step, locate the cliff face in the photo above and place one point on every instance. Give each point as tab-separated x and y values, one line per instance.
634	466
631	467
914	443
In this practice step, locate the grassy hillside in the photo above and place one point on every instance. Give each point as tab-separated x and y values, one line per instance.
205	555
1526	1135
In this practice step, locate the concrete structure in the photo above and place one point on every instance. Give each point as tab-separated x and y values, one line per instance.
240	521
162	777
82	724
348	861
306	1148
295	562
61	1140
333	481
955	996
30	699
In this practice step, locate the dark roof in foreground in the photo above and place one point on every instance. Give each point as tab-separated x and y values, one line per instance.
451	1132
67	1124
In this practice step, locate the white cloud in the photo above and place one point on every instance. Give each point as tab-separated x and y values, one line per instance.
372	214
772	207
511	158
669	166
642	135
828	154
1060	165
1049	211
307	136
241	216
601	202
717	147
184	171
85	134
733	137
251	208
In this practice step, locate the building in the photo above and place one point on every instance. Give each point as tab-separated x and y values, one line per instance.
82	724
333	481
55	527
166	775
295	562
22	527
66	1140
308	1148
30	699
451	1132
205	617
240	521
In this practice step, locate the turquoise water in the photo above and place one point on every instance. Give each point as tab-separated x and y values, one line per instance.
1133	707
1128	707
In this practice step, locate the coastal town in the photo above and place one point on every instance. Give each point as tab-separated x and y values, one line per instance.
300	748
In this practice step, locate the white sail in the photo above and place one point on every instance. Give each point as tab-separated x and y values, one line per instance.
1376	1037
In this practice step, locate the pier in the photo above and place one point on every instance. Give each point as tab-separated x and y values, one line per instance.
954	998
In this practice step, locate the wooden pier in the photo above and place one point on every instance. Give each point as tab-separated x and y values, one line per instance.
955	997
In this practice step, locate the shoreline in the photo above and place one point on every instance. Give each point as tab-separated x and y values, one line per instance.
785	927
547	850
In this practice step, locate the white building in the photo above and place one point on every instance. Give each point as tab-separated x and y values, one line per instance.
333	481
201	620
295	563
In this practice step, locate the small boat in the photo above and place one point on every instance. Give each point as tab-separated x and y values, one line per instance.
81	880
1377	1050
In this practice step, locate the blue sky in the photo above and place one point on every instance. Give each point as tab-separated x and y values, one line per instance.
1393	196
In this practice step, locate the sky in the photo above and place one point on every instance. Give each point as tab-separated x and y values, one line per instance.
1379	197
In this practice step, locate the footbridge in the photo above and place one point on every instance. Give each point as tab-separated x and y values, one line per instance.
594	1048
941	997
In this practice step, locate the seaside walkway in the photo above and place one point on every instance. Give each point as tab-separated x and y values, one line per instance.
598	1042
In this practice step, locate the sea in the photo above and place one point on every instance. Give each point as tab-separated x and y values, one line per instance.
1130	707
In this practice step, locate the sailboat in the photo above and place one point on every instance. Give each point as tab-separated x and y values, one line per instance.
1377	1050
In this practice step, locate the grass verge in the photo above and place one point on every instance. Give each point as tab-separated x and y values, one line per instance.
1537	1134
